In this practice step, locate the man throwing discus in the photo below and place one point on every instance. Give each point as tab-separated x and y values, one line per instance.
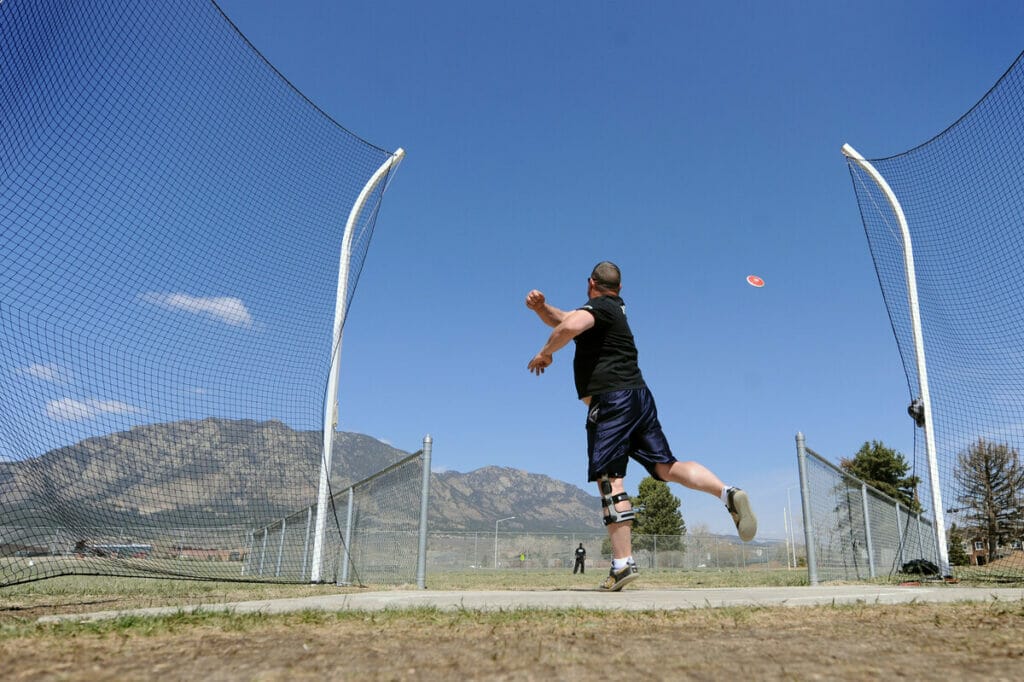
622	419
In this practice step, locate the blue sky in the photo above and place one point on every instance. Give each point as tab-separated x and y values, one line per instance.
691	143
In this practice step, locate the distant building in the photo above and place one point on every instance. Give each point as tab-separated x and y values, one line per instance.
18	549
977	549
209	554
113	550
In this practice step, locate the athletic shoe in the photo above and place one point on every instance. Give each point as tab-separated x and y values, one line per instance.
742	514
616	580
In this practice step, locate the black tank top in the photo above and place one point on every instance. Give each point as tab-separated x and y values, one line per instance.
606	355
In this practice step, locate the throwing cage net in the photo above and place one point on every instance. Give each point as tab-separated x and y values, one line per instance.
962	194
172	211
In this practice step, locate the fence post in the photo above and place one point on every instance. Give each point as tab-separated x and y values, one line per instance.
867	529
921	541
263	548
347	540
305	546
421	556
280	547
250	550
901	538
805	504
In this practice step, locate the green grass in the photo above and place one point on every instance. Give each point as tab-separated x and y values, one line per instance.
77	594
22	605
86	594
155	626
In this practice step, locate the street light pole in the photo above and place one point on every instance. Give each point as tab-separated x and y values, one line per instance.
508	518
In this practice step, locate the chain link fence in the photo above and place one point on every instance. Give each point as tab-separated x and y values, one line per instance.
388	556
519	550
376	534
853	531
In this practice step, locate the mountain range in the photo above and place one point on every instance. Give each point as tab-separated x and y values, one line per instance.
216	471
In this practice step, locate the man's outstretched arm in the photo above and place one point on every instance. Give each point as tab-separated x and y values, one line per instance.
549	314
573	324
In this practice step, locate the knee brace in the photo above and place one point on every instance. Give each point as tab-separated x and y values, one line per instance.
608	501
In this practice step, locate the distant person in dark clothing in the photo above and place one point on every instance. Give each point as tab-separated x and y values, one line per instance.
581	557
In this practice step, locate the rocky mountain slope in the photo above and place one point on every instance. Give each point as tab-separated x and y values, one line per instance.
218	471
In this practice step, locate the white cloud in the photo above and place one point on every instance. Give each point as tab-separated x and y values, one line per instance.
47	372
226	309
69	409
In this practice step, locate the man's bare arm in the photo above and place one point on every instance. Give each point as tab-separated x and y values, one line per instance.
573	324
549	314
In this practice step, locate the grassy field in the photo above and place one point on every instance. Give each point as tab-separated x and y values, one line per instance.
81	594
838	642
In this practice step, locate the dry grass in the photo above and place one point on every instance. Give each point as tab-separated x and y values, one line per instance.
850	642
825	642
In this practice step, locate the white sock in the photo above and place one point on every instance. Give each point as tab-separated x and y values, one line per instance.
619	564
725	495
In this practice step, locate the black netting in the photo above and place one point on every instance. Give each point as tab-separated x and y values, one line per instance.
963	196
172	213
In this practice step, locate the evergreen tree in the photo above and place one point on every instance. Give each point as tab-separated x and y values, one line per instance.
957	554
660	516
885	469
991	482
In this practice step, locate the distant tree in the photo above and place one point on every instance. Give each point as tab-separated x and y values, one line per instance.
991	481
957	554
885	469
660	516
701	545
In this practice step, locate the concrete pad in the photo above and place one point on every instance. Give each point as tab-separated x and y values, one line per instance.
627	600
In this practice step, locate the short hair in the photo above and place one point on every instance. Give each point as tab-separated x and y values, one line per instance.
607	276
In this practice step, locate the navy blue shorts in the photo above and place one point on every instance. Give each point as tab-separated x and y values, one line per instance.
624	424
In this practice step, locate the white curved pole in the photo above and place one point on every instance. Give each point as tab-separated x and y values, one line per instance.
922	373
331	399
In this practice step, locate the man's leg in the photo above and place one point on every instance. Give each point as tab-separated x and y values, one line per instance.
613	495
696	476
620	533
693	475
610	420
